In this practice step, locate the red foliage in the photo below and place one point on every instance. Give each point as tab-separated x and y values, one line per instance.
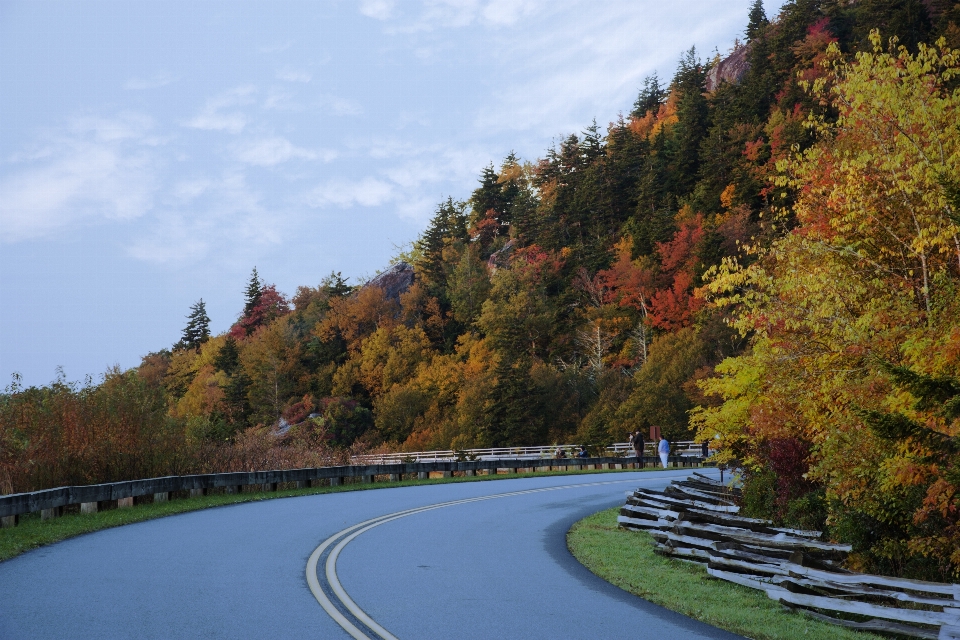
673	308
790	460
486	229
272	305
625	283
678	252
673	304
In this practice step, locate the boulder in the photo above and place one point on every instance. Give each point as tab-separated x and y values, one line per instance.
731	69
394	281
501	257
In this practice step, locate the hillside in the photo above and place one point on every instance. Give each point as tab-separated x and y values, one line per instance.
767	242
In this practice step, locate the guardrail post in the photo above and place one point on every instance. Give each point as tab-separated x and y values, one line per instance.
50	514
89	507
336	482
9	522
423	475
162	496
395	477
469	472
124	503
196	493
366	479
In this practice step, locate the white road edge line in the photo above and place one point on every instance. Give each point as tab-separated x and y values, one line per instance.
331	565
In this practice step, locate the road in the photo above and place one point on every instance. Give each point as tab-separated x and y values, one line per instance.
496	567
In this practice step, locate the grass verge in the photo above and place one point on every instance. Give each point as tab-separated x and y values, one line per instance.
32	532
626	559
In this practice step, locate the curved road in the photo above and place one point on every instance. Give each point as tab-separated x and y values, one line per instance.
495	567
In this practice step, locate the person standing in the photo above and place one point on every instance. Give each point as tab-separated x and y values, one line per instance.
637	442
664	450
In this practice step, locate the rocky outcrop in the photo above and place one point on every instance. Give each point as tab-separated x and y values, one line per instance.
731	69
501	257
394	281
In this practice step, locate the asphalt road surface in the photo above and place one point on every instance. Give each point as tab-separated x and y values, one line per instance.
488	566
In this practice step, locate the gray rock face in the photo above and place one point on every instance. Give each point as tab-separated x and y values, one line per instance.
394	281
731	69
501	257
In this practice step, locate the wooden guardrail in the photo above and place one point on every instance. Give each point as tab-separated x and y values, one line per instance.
682	448
51	502
697	519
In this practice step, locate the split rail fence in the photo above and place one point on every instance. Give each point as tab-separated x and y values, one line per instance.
697	519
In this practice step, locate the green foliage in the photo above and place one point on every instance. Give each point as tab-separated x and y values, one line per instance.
253	293
197	330
658	396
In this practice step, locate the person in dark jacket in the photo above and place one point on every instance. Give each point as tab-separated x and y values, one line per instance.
637	441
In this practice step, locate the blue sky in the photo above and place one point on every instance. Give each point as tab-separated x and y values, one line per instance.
153	153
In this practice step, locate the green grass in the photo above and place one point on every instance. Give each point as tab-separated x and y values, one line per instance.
32	532
626	559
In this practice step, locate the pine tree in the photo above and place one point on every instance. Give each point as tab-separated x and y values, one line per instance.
335	285
228	358
692	121
488	195
758	20
512	418
448	225
651	97
197	330
254	291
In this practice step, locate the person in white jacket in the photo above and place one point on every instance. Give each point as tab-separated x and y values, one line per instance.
664	450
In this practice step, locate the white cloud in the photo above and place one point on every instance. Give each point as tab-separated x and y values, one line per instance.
590	57
155	81
267	152
377	9
228	217
95	169
343	107
213	116
508	12
366	192
292	75
431	15
187	190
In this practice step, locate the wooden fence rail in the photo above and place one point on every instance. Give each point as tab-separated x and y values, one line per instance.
51	502
683	448
697	519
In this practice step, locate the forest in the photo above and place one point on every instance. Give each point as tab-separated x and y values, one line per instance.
762	253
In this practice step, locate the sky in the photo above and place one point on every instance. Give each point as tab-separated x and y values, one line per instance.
153	152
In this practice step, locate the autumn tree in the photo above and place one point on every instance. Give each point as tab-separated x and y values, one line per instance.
867	276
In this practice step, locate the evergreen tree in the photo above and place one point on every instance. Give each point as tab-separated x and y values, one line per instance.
228	358
447	226
335	285
488	196
253	293
592	144
758	20
197	330
512	418
692	122
651	96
